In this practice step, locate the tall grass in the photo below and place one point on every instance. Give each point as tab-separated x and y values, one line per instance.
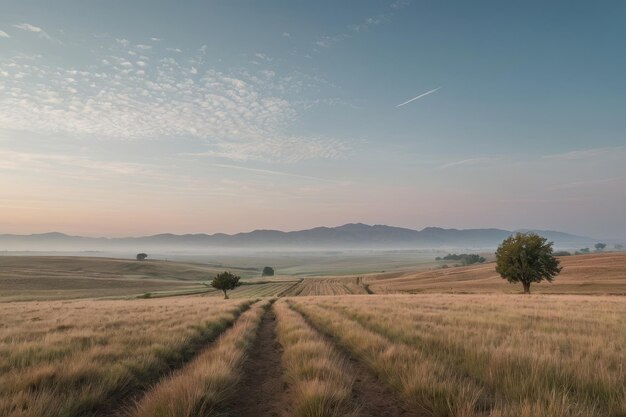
81	358
425	385
318	375
198	389
544	356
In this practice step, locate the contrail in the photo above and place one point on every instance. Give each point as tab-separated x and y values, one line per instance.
420	96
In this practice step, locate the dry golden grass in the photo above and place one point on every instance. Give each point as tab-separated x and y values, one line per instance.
255	290
198	389
77	358
488	355
603	273
318	376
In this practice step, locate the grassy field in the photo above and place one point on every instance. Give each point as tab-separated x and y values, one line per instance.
603	273
441	355
314	347
487	355
79	358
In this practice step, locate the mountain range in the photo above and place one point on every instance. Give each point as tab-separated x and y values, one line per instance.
348	236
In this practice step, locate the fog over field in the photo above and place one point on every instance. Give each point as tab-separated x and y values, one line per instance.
349	236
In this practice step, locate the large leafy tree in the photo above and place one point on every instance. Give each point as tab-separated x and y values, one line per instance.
526	258
225	281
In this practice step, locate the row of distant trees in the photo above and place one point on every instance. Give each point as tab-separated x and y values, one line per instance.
599	248
465	258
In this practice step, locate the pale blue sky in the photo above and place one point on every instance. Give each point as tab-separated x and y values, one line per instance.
142	117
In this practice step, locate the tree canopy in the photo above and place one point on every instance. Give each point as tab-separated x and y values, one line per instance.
600	246
142	256
225	281
526	258
268	271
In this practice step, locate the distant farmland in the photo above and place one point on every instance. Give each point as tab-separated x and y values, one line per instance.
603	273
49	277
63	277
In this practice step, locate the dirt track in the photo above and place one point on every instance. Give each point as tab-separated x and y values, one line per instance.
262	389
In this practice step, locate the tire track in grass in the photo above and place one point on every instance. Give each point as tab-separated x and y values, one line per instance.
201	388
426	386
118	405
262	386
373	398
494	396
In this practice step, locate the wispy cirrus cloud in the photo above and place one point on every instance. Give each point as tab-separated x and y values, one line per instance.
3	34
468	161
65	164
273	172
589	153
35	29
133	91
279	149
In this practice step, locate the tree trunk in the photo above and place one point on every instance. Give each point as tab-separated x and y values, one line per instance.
526	287
225	295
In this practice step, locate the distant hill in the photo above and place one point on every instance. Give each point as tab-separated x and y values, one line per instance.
348	236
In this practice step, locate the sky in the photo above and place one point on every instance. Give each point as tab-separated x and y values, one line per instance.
148	116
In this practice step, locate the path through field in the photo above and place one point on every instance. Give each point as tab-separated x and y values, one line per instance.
263	390
267	394
371	395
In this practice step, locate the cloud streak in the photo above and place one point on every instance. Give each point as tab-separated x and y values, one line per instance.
469	161
34	29
418	97
271	172
587	153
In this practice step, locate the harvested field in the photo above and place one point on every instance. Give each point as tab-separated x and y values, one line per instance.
582	274
253	290
327	286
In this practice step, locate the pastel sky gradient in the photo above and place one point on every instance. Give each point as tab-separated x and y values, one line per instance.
149	116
